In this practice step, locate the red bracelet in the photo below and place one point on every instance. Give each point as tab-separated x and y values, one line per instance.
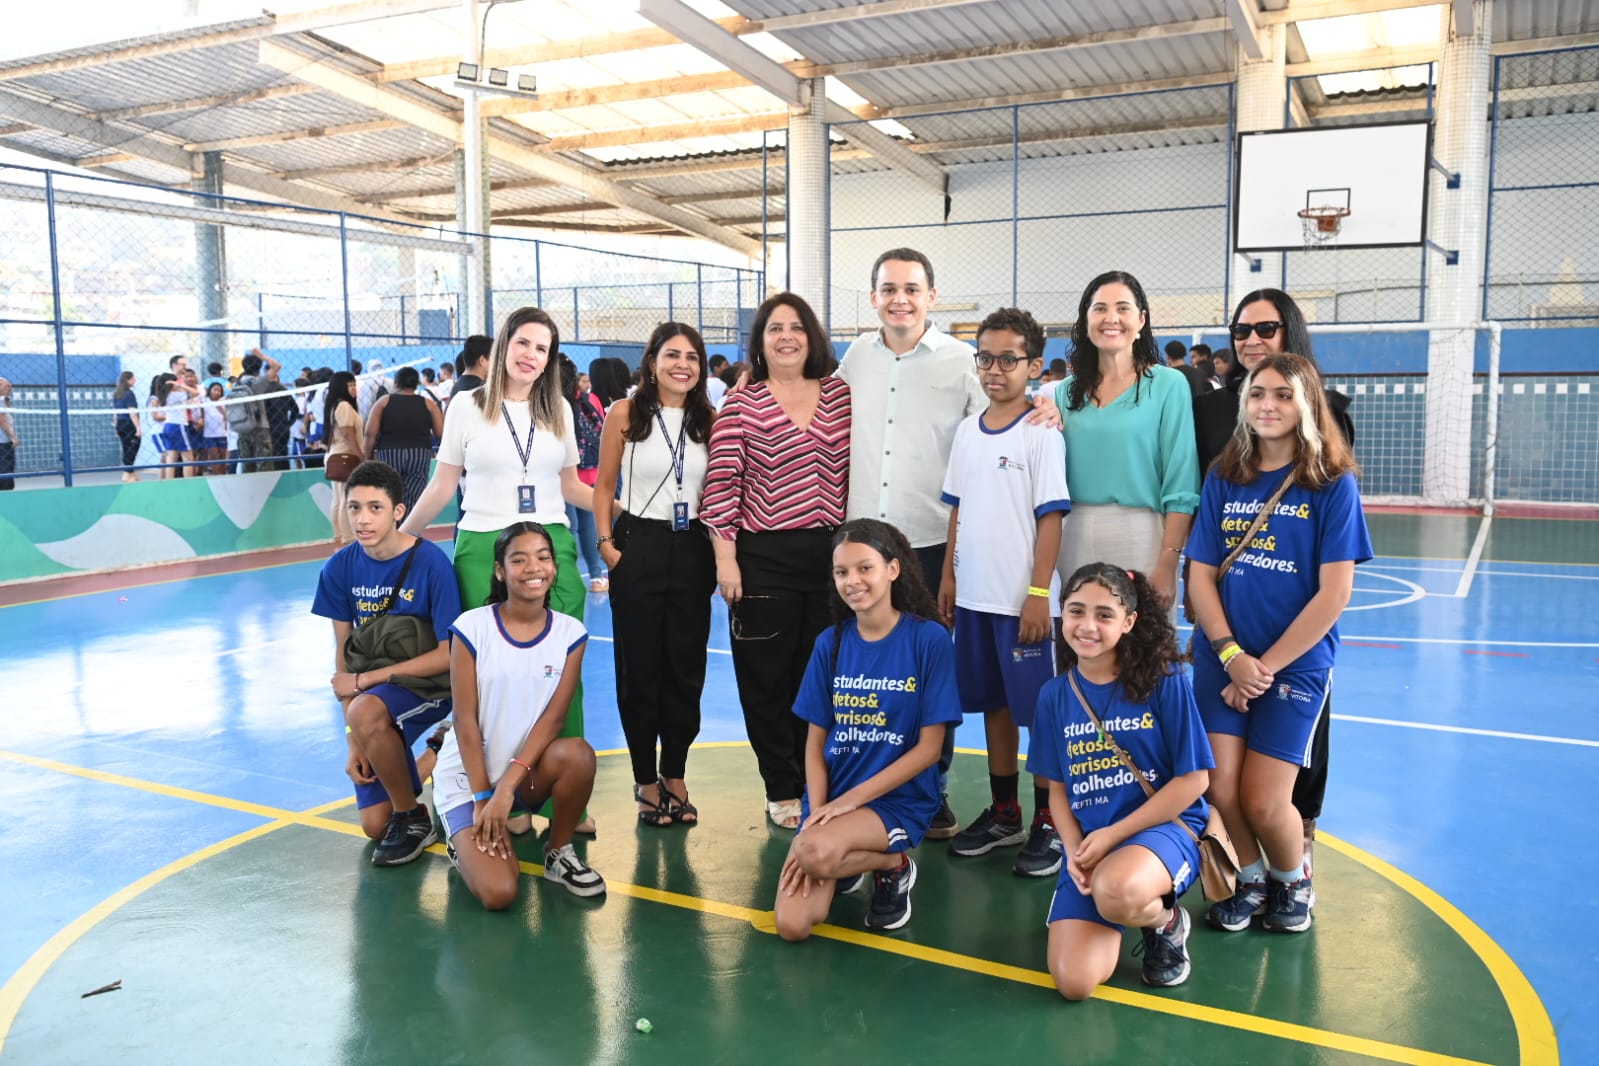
524	766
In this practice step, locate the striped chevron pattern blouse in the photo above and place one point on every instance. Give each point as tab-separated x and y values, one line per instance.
767	474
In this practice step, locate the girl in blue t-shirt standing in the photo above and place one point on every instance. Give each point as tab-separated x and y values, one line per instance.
878	693
1268	633
1127	858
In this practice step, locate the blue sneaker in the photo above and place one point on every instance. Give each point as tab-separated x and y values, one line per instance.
1248	900
847	885
1288	906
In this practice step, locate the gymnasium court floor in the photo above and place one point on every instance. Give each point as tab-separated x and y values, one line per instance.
177	819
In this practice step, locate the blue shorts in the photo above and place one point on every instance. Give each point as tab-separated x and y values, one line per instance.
905	830
1175	849
993	671
217	443
459	817
412	716
1280	724
175	438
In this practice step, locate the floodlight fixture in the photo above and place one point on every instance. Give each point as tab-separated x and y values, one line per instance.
527	83
467	71
499	77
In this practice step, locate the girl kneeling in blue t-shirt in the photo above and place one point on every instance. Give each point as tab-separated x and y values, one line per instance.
1268	632
878	693
1127	859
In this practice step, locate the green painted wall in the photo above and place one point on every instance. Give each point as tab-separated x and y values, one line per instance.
45	532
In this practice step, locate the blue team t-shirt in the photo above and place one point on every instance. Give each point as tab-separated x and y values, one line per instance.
354	586
126	401
877	701
1279	573
1164	736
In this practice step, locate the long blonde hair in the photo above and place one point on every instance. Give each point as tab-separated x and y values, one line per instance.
1321	455
545	402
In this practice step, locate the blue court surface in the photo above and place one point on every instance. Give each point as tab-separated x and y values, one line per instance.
144	724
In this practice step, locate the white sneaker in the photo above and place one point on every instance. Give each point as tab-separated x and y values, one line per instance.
562	866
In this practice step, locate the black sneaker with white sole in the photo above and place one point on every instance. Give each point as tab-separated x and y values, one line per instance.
845	886
891	896
1166	953
944	824
407	836
562	866
1042	854
987	832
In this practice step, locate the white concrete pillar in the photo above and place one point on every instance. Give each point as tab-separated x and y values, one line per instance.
808	245
1457	223
1260	97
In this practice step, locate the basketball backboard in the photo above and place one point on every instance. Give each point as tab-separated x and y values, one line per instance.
1378	174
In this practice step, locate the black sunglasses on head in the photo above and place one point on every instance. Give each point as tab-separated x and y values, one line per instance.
1266	330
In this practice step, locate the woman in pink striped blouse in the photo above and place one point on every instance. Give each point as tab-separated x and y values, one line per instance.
775	490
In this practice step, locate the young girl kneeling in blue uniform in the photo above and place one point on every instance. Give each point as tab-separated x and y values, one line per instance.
1127	858
1268	632
878	693
514	665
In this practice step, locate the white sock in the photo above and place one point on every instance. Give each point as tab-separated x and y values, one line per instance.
1254	873
1288	877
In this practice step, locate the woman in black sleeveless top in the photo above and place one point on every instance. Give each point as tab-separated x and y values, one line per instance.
401	431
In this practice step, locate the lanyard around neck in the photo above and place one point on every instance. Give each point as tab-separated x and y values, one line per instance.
523	453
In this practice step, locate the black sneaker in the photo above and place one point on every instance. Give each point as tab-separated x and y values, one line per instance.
847	885
562	866
891	896
1042	854
1166	954
986	833
449	853
944	824
407	837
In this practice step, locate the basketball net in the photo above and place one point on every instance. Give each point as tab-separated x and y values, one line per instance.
1321	225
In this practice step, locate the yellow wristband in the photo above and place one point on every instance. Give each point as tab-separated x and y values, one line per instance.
1231	652
346	730
1034	590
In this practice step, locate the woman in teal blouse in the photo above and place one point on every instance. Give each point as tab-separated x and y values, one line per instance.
1131	463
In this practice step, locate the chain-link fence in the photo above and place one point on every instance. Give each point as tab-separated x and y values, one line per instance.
1042	197
1542	266
103	278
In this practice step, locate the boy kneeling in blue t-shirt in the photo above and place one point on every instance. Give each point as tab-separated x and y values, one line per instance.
387	707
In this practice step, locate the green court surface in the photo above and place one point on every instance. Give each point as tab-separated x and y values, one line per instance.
284	944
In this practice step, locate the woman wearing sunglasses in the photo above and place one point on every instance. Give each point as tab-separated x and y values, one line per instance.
1269	322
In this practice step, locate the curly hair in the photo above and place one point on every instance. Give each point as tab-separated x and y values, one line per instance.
1085	355
909	592
1020	323
1145	654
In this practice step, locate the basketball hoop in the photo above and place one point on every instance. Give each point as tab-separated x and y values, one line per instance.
1321	224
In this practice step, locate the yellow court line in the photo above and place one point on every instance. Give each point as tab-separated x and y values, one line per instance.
1538	1045
1535	1032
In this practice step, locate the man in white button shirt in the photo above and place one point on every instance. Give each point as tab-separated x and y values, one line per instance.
910	387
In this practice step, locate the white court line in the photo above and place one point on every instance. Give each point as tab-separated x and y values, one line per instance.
1484	571
1469	731
1346	637
1473	560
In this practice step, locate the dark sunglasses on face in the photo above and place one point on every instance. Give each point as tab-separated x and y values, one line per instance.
1266	330
1006	363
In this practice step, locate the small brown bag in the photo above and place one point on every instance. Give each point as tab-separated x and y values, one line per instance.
340	465
1218	862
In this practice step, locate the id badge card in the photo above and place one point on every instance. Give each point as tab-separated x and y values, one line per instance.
679	517
524	499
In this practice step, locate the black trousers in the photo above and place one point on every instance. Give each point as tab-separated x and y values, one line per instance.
788	587
932	560
661	624
130	442
8	465
1310	787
